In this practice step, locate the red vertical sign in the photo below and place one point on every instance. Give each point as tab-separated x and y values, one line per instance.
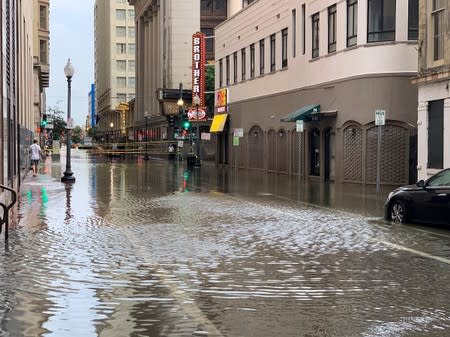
198	66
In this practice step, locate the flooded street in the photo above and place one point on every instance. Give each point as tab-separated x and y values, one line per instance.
149	248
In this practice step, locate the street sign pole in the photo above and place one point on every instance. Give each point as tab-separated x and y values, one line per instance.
380	118
378	158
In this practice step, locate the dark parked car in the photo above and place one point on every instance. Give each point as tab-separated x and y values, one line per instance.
427	201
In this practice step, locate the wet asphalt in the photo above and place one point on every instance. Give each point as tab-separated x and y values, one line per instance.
151	248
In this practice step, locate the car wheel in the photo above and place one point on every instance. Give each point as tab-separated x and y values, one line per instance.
398	211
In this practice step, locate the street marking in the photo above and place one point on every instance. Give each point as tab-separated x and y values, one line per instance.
185	303
414	251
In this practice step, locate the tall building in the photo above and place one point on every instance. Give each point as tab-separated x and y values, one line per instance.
433	81
41	62
324	68
115	80
91	120
17	89
164	60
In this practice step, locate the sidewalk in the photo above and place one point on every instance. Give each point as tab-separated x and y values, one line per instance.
30	197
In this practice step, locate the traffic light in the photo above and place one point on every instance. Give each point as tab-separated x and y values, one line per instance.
186	124
44	120
172	120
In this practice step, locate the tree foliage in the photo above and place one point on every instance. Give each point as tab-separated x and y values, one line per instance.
77	134
59	124
209	98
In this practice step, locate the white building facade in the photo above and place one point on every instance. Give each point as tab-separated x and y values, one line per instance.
433	81
330	65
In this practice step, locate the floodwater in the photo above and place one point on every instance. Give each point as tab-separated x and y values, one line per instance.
149	248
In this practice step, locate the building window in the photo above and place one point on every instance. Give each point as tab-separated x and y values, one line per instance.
121	31
209	43
438	23
235	67
120	14
131	48
220	7
381	20
131	14
132	82
261	57
243	64
220	73
303	29
121	98
436	134
294	32
284	47
213	7
43	51
272	53
121	65
43	17
332	29
227	65
121	82
413	19
352	22
131	32
252	60
121	48
315	35
206	7
131	66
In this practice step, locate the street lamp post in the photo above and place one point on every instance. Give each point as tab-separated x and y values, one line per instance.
68	174
196	101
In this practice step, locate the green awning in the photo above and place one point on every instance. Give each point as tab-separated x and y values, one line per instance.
302	113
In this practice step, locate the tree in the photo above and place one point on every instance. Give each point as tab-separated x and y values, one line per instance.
55	114
209	98
91	132
77	134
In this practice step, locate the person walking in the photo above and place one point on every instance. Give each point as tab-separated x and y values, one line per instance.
35	156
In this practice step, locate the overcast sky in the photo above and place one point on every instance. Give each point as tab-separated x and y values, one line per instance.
71	36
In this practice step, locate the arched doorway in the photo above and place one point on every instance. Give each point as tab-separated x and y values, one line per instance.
256	148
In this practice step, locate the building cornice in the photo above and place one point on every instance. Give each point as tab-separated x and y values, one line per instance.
431	77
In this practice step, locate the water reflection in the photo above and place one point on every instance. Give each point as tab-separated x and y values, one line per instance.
69	215
153	248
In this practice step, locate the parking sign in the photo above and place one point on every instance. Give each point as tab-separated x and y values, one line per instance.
380	116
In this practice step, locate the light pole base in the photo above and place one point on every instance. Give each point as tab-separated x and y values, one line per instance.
68	178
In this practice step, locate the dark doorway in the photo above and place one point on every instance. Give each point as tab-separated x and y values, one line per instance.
412	159
314	152
327	158
222	148
436	134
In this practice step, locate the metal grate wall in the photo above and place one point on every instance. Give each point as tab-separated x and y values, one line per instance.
282	150
272	150
256	148
394	159
353	154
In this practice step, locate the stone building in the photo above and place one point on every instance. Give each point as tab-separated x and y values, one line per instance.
19	120
433	82
330	65
115	68
164	59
